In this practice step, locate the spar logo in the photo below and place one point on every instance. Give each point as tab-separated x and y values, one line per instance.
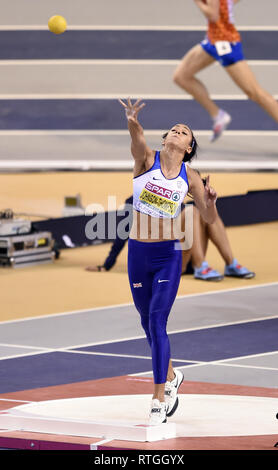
159	190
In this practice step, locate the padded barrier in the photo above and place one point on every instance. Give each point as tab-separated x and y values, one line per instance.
251	208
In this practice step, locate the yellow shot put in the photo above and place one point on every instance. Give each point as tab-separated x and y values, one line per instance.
57	24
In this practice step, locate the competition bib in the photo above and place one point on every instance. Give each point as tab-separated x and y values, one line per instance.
223	47
158	203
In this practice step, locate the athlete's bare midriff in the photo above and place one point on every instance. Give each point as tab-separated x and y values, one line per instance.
152	229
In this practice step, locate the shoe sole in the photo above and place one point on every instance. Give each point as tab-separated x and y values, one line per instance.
215	279
176	402
174	408
242	276
158	424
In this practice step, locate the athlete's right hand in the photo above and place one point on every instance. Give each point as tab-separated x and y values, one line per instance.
132	110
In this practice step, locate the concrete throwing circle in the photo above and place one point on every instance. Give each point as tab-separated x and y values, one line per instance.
196	416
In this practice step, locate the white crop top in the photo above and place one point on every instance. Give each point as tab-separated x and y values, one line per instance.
157	196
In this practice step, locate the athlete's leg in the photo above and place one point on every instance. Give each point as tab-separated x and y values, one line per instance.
140	283
193	62
167	272
245	79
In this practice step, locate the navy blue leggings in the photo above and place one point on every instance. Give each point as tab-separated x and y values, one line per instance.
154	270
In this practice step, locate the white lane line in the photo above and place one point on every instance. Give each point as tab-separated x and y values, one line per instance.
190	363
109	307
93	353
170	332
16	401
225	362
248	356
72	348
91	27
116	96
94	445
39	348
37	353
219	362
245	366
132	356
207	364
138	62
126	165
123	132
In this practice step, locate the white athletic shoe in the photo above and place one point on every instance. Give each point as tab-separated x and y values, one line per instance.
171	392
220	123
158	413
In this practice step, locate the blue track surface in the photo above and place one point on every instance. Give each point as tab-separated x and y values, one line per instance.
204	345
212	344
151	45
107	114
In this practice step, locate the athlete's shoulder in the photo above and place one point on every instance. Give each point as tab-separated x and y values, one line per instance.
142	167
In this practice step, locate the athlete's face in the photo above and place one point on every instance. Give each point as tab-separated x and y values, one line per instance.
181	136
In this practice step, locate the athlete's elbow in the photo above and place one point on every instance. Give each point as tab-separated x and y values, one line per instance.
213	17
213	13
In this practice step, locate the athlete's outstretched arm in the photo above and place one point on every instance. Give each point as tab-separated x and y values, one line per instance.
204	197
210	9
139	148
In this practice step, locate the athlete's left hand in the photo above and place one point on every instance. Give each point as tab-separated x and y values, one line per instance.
210	194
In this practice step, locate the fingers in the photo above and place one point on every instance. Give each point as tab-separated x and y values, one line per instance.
122	103
211	193
141	106
130	106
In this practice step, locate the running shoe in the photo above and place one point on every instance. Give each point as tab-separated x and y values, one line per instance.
171	392
236	270
158	412
220	123
205	273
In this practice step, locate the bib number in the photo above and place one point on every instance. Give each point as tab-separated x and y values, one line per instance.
223	47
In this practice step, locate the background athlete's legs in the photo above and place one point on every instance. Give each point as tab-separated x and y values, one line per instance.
204	232
193	62
218	235
244	78
200	239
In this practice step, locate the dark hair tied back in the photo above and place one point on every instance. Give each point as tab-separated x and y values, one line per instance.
188	156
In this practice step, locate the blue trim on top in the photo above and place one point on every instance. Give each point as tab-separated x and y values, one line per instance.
185	175
155	165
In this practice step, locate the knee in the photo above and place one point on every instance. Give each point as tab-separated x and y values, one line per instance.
145	322
176	77
255	94
179	76
157	325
